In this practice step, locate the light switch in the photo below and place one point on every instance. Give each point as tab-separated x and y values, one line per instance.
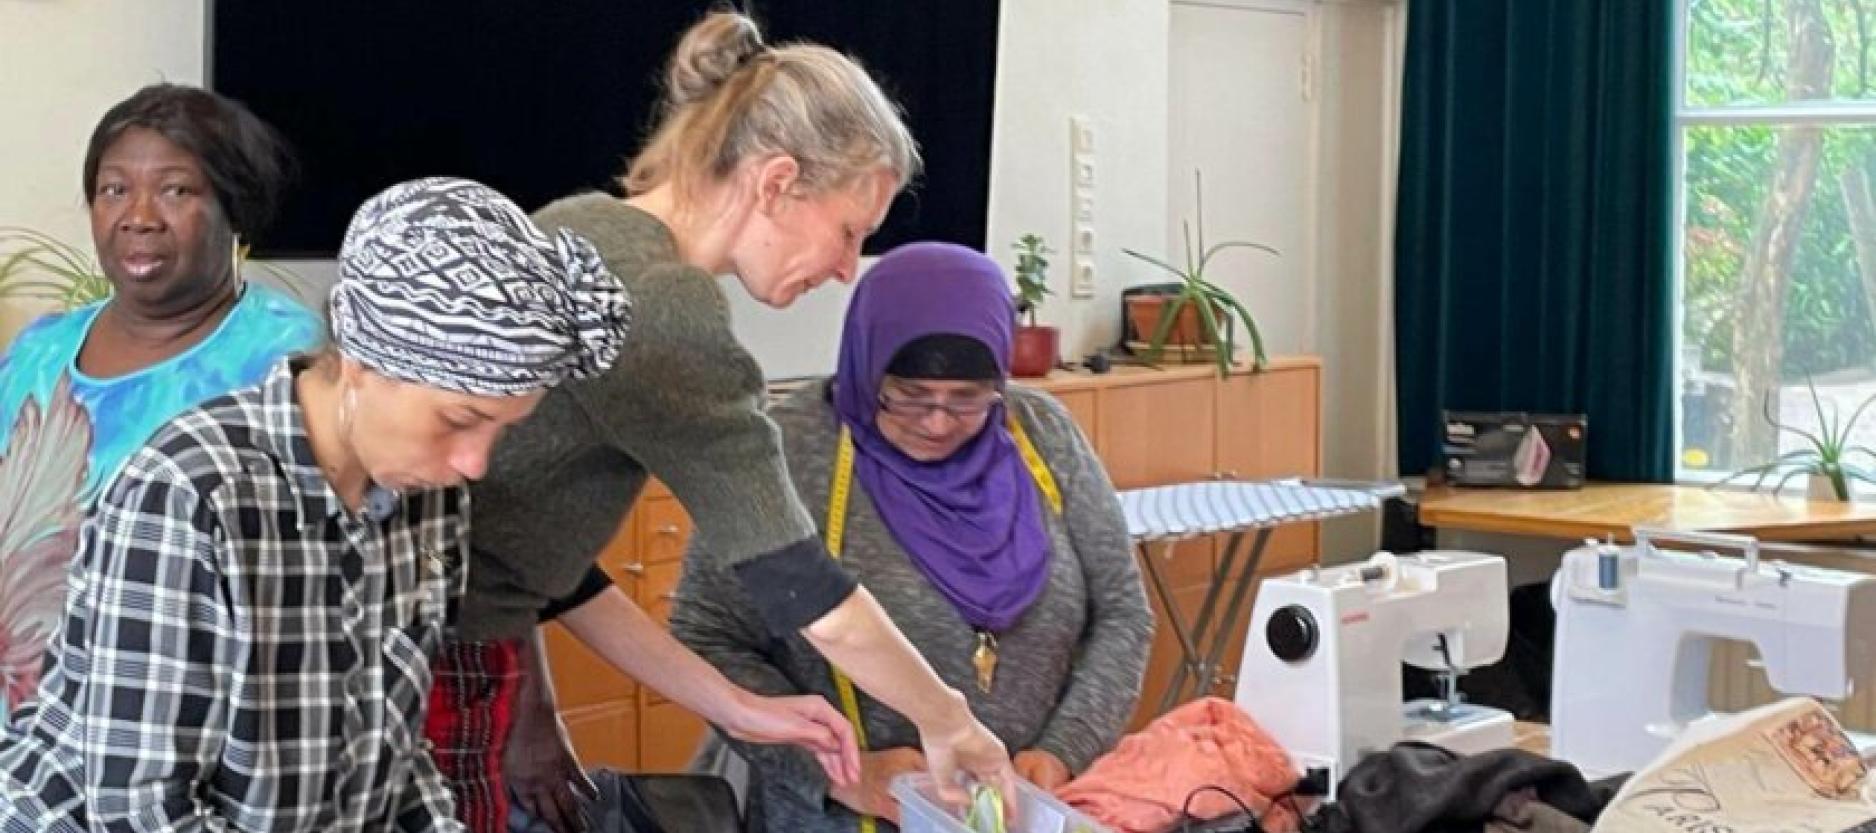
1081	282
1084	239
1084	208
1084	172
1081	134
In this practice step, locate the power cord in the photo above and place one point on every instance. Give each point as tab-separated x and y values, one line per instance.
1252	823
1185	810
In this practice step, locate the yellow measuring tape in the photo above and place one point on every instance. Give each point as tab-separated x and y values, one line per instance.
837	496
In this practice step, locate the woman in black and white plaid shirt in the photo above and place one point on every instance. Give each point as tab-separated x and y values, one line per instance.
249	623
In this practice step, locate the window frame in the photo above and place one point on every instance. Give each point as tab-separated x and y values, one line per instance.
1683	117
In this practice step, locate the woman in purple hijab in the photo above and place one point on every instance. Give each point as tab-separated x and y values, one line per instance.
977	515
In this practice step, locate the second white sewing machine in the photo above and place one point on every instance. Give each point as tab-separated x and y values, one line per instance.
1321	670
1636	625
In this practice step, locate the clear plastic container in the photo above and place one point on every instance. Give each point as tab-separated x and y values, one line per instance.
920	811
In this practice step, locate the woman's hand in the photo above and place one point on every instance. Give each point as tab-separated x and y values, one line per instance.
807	721
967	747
1041	768
543	773
871	794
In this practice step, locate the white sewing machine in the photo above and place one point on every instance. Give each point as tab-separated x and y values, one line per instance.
1635	626
1321	668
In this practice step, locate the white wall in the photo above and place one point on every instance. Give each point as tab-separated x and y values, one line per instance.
1356	125
62	64
1105	60
1102	59
64	61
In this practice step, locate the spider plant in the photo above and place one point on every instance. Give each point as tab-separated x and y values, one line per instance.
39	267
1827	452
1215	306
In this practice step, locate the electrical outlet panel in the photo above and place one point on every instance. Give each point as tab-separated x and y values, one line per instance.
1082	179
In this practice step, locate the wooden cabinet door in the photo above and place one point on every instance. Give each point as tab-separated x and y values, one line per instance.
1153	434
1084	409
656	594
668	738
1165	655
581	678
605	735
624	558
664	529
1269	426
1188	563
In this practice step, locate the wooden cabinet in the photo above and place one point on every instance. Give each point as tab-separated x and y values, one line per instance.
1157	427
1150	428
668	738
604	735
1083	408
1269	426
612	720
1158	431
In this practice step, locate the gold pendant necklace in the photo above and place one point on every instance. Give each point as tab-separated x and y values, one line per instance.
985	659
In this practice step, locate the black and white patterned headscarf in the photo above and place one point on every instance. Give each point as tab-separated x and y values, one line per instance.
447	283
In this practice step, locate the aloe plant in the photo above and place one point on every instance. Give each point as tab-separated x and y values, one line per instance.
1215	306
36	266
1828	451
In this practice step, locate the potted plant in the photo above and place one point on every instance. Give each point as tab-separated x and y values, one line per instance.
1200	318
1825	458
1037	347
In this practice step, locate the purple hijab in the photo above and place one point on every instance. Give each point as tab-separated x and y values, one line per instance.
972	523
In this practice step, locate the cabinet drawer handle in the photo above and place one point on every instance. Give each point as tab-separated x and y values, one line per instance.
669	596
636	568
669	530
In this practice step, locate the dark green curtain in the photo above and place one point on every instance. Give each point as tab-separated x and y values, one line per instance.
1534	232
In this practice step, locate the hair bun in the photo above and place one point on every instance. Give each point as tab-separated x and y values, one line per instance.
713	50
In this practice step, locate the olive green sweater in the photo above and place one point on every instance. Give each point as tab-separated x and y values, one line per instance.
683	402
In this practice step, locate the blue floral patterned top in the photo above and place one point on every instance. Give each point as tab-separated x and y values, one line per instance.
64	434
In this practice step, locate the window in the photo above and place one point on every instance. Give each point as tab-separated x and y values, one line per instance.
1776	123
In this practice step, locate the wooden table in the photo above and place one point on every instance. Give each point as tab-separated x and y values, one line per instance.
1600	510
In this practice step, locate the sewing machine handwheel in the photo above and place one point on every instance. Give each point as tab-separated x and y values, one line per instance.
1291	633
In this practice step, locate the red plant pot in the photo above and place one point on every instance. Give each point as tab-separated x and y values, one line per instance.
1036	352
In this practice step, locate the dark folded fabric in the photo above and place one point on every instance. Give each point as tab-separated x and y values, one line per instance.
1419	788
1520	812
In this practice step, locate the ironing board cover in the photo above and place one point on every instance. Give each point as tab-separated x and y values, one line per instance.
1188	510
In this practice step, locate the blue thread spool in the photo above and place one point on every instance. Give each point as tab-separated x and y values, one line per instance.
1608	567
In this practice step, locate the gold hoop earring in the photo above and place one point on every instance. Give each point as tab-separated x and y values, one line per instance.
238	255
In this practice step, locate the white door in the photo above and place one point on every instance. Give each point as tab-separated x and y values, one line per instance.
1238	112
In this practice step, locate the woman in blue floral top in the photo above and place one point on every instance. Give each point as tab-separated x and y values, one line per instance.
178	181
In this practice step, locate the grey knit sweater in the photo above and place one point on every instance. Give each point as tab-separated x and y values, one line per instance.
1069	671
683	401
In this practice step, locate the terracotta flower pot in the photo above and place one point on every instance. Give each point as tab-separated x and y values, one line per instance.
1144	311
1819	487
1036	351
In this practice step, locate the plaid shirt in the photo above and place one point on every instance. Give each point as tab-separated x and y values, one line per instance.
239	652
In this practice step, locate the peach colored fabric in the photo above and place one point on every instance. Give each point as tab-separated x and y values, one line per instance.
1140	786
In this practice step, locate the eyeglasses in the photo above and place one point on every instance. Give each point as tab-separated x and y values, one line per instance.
921	408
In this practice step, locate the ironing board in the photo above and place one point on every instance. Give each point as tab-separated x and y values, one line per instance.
1166	515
